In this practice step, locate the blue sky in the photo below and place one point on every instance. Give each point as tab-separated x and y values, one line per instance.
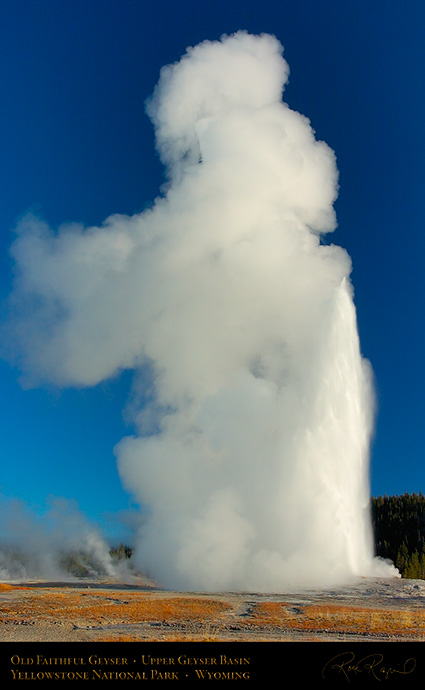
77	146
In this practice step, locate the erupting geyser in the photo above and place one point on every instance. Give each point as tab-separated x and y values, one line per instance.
251	449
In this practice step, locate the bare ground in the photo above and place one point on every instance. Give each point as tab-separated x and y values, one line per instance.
137	610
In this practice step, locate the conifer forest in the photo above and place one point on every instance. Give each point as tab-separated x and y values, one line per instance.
399	532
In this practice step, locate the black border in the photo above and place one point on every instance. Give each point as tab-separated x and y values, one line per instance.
275	664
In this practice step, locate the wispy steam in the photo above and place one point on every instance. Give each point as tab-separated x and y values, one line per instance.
58	543
252	450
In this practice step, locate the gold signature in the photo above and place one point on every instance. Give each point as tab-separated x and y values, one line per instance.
347	665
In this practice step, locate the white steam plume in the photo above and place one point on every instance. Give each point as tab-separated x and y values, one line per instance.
252	453
59	543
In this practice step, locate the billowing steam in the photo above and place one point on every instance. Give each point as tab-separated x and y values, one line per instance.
58	544
252	405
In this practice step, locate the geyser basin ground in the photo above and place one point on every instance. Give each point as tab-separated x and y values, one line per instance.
92	611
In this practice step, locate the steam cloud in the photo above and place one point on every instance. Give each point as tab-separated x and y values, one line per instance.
61	543
252	404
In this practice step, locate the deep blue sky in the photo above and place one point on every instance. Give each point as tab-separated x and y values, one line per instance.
76	145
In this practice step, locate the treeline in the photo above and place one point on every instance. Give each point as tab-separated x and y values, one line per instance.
81	564
399	532
117	553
